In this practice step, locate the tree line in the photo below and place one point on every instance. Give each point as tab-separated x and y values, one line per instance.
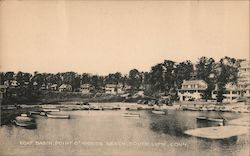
163	79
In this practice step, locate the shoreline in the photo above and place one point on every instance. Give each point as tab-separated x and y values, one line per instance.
9	114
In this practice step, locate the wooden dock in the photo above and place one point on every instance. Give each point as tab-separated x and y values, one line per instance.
220	132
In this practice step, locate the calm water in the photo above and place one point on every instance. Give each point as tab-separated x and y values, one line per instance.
109	133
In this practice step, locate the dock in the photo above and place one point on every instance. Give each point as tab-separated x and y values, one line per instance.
220	132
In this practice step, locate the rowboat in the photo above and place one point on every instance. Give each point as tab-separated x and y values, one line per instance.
210	119
24	118
24	124
158	112
131	115
57	116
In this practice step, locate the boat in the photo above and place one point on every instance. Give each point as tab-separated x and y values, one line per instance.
51	110
66	109
159	112
193	108
116	108
131	115
24	124
34	113
210	119
107	108
220	132
42	113
24	118
131	109
57	116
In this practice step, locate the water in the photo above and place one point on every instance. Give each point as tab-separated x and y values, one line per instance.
109	133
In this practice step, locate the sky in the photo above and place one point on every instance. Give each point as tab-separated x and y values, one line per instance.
101	37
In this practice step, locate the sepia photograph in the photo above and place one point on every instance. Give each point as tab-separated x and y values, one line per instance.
124	77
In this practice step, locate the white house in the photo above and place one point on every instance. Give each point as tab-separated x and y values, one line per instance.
231	93
244	79
65	87
11	83
239	90
192	90
114	89
110	89
54	87
86	88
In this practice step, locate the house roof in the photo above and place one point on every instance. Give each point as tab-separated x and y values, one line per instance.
65	86
54	85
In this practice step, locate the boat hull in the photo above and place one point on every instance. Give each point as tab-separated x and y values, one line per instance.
58	116
159	112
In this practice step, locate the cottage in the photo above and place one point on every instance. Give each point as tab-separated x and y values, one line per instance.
111	89
231	93
54	87
65	88
192	90
86	88
11	83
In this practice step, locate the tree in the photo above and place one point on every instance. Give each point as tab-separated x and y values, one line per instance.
134	79
227	70
169	75
1	78
205	67
182	72
156	78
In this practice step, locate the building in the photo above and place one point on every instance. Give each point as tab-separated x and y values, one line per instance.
54	87
231	93
86	88
244	79
241	89
192	90
114	89
11	83
65	88
111	89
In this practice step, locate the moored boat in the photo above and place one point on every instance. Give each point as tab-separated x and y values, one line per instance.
158	112
24	117
34	113
210	119
26	124
57	116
